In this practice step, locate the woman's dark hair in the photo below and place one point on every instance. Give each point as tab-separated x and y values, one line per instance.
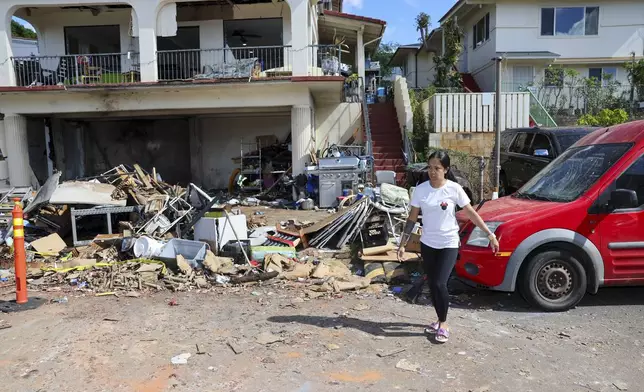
443	157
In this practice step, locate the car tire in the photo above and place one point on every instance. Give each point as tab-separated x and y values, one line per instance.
554	281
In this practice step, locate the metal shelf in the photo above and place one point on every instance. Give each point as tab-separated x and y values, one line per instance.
257	172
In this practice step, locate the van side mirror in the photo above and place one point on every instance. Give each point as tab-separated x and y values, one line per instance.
541	152
623	199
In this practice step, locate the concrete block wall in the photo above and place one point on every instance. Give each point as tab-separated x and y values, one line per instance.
476	144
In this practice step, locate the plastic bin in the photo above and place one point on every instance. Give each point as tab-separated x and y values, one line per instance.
193	251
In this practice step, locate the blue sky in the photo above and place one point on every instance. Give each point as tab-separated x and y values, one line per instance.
399	15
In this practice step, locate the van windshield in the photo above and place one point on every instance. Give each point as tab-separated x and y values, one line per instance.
572	173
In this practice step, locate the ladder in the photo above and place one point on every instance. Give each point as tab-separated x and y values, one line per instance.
6	202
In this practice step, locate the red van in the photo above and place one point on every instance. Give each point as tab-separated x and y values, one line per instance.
576	226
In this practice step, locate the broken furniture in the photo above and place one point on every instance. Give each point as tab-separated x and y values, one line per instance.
6	202
107	211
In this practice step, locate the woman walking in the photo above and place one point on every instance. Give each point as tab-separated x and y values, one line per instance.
437	200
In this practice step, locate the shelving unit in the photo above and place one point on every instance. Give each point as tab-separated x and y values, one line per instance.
254	161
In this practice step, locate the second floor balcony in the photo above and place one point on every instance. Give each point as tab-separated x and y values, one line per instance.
249	62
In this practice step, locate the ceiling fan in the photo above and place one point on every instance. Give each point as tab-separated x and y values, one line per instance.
242	36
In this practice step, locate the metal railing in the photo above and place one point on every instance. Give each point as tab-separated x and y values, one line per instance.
229	63
539	113
326	60
104	68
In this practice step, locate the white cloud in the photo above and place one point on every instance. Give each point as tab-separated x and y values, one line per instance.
353	4
413	3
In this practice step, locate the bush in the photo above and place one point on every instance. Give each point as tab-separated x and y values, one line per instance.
605	118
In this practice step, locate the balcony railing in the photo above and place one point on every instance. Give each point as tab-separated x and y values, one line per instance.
108	68
230	63
326	60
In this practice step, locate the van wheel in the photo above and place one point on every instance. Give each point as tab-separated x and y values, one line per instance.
554	281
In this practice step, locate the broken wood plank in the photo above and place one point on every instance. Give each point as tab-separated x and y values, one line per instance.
378	250
390	256
142	176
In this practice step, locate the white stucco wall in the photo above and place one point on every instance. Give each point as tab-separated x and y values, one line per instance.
336	123
50	25
621	30
51	28
220	139
479	60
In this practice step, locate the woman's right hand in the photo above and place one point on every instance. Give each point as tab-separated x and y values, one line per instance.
401	254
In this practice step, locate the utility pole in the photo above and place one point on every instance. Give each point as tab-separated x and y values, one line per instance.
497	130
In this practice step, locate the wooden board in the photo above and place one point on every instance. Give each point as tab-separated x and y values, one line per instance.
378	250
391	256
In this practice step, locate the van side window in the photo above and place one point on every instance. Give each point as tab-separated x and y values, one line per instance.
541	142
521	144
633	179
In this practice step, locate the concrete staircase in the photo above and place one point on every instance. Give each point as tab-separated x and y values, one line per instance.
387	139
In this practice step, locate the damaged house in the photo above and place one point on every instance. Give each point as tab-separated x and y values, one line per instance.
178	86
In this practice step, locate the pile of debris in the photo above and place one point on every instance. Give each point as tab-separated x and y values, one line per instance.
169	237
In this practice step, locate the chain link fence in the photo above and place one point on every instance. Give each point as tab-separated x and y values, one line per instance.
474	173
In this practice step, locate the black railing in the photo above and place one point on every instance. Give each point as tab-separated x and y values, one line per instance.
107	68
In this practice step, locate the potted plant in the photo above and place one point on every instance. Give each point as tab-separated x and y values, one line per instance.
353	82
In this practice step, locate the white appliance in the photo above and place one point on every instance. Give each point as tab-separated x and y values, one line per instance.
219	231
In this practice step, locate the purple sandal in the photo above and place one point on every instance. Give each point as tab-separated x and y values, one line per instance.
433	328
442	335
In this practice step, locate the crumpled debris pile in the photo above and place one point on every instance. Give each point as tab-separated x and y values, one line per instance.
167	237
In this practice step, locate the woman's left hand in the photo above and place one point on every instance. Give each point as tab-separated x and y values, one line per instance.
494	244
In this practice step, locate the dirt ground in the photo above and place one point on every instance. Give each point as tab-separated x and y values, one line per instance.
331	344
369	340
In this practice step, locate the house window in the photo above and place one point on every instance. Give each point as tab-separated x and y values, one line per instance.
554	77
572	21
482	31
603	75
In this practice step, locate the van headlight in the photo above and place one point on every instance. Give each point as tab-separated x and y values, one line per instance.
478	236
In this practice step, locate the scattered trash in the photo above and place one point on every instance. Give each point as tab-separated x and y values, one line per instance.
332	347
236	347
266	338
180	359
404	364
61	300
173	302
392	353
621	385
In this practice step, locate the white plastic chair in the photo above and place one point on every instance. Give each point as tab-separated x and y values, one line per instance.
386	177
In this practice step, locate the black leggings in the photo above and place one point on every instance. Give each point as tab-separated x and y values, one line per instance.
438	265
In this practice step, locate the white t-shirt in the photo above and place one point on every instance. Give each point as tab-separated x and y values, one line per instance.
438	207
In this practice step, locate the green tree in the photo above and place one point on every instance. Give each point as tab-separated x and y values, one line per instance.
20	31
447	76
384	54
422	26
